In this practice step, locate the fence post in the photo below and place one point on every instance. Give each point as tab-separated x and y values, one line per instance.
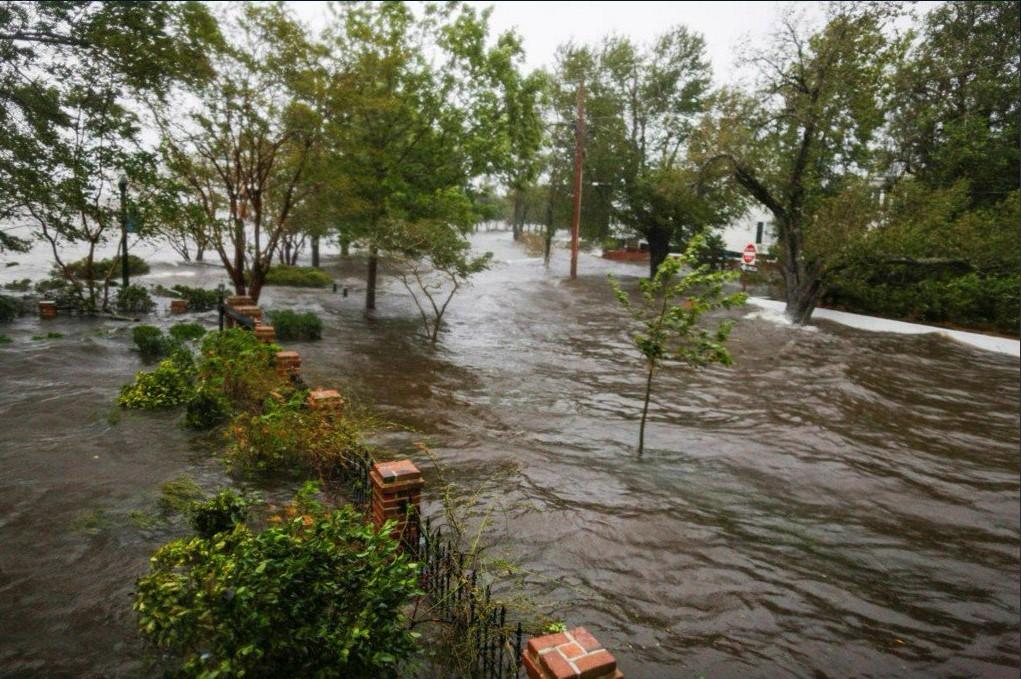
568	655
47	309
397	495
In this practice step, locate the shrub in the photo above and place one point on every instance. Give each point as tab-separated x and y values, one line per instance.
168	386
9	308
298	277
151	342
294	326
199	299
102	267
60	290
4	339
318	595
287	436
219	514
236	364
206	409
24	285
186	332
134	299
178	495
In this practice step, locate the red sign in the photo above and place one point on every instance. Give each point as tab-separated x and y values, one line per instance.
749	254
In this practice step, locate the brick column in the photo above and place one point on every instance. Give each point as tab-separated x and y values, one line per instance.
287	363
325	399
240	300
569	655
265	333
178	306
47	309
396	488
253	312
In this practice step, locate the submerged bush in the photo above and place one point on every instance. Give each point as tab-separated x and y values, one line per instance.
24	285
186	332
10	307
199	299
171	384
206	409
151	341
294	326
298	276
134	299
318	595
219	514
101	268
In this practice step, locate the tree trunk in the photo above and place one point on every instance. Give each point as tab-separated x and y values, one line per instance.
518	218
199	253
659	248
315	252
345	247
801	300
370	287
645	410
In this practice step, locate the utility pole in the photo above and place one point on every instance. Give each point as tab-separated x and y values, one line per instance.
579	141
123	186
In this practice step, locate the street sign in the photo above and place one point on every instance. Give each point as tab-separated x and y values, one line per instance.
749	254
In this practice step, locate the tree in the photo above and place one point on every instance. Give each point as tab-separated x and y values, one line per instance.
242	142
418	113
433	262
641	105
806	137
669	312
47	97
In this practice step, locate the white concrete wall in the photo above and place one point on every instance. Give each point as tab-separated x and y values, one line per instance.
741	231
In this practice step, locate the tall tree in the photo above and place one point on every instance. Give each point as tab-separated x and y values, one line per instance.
242	142
802	143
69	72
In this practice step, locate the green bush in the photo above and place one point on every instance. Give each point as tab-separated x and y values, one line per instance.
206	409
151	341
4	339
10	307
186	332
240	367
219	514
101	267
59	290
294	326
298	277
171	384
316	596
24	285
199	299
134	299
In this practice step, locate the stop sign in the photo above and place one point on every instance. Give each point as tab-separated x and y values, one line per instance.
749	254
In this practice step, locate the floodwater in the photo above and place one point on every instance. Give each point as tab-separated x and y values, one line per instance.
838	503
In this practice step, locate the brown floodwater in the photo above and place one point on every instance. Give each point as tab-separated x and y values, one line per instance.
838	503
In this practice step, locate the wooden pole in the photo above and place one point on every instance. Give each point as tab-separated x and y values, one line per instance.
579	139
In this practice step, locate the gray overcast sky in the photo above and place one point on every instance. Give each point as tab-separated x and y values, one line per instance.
546	25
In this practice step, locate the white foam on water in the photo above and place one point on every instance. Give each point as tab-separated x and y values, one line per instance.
773	309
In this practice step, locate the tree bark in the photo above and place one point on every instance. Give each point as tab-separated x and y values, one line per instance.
315	252
659	248
370	287
345	247
645	410
518	218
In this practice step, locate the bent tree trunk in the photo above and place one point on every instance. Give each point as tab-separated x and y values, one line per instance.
645	409
802	299
659	248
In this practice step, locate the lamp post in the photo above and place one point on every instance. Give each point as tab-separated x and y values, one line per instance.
122	184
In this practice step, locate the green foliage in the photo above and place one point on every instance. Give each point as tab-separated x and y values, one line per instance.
319	595
199	299
219	514
287	436
105	268
294	326
4	339
49	335
187	332
134	299
178	495
669	312
237	365
170	385
151	342
10	307
206	409
23	285
298	277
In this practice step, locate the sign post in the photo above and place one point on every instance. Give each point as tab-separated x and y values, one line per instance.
747	264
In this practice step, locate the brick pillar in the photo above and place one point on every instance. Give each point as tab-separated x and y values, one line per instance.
569	655
287	363
325	399
252	312
240	300
178	306
47	309
396	488
265	333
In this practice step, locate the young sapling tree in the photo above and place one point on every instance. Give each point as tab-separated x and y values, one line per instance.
669	311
